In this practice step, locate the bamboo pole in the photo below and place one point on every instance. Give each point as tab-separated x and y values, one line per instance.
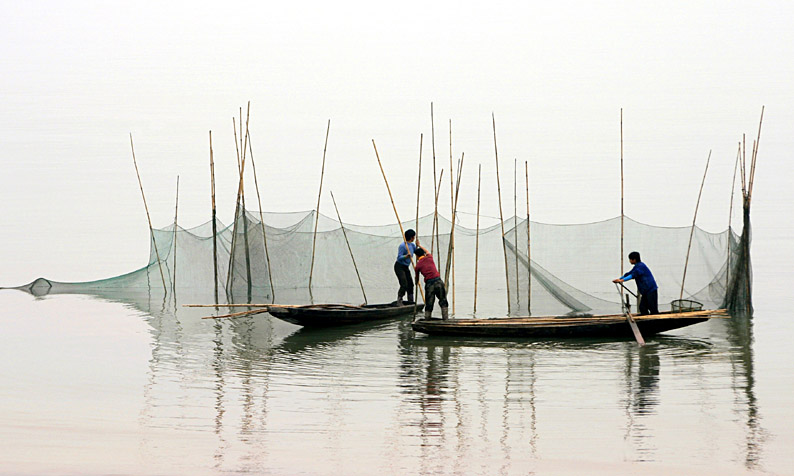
501	217
730	219
451	254
262	222
755	156
317	213
622	213
418	186
176	214
477	236
245	216
692	232
214	222
402	232
344	233
515	223
434	232
451	248
233	246
148	217
529	255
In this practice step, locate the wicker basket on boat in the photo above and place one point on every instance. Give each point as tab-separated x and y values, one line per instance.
685	305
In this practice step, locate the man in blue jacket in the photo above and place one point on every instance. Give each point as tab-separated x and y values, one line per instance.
646	285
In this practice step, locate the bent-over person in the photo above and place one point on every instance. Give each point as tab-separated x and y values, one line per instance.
434	286
647	290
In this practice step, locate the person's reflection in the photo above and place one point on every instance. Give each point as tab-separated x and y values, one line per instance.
647	394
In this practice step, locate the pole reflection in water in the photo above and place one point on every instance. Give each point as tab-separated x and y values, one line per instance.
260	395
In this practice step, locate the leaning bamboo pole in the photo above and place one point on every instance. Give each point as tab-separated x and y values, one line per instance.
755	156
233	246
148	217
317	212
434	232
477	236
452	203
451	248
501	217
262	222
529	255
515	223
730	219
692	232
402	232
214	222
344	233
248	277
418	186
173	246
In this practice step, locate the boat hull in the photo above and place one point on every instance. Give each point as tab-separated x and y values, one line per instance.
596	326
318	316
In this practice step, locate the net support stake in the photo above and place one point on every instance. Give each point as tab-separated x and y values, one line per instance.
317	215
402	232
501	216
148	217
692	232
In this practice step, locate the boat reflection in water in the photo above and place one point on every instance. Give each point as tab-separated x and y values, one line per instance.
256	393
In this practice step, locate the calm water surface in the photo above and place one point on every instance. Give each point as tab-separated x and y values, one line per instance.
131	386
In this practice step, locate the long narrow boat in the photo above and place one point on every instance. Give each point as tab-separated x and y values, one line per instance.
612	325
326	315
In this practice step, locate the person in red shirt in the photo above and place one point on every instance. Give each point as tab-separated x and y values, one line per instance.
434	286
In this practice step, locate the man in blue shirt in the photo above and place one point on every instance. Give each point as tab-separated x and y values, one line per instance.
402	267
646	285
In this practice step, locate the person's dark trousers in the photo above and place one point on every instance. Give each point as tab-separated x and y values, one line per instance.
649	303
406	282
435	289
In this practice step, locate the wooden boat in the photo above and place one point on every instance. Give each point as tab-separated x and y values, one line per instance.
613	325
325	315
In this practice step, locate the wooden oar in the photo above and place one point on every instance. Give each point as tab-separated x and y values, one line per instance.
632	324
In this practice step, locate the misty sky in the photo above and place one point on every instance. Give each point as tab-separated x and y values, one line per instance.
78	77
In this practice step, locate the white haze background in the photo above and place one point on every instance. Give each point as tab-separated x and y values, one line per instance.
78	77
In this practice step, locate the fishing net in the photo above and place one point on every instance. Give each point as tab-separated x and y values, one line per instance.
272	257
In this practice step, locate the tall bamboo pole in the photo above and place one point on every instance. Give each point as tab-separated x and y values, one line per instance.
477	236
755	156
214	222
418	186
451	254
529	255
233	246
402	232
317	212
344	233
692	232
622	214
451	247
501	217
249	280
176	214
262	222
730	219
515	223
148	217
434	232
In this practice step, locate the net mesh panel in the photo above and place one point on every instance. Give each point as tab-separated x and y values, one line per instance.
570	270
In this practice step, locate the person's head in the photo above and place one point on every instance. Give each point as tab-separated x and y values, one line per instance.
419	252
410	235
634	257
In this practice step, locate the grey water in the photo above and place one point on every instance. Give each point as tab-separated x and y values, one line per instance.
132	385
